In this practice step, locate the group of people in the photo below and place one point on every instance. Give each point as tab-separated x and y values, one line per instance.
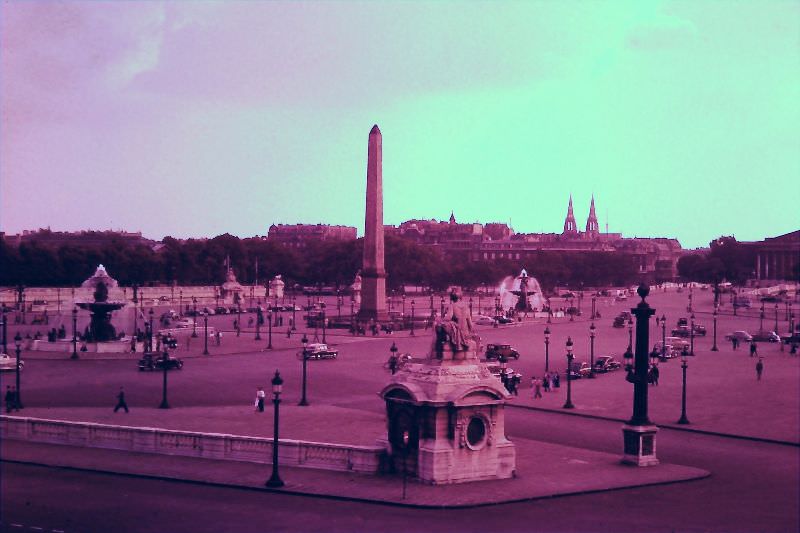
550	381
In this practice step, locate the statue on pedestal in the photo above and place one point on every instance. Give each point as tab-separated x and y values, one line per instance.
455	330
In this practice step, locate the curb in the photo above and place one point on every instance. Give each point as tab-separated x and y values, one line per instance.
334	497
665	426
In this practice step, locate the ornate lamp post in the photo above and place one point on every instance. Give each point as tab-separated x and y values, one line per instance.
761	323
205	334
470	306
431	303
393	358
259	321
776	317
269	328
304	340
691	334
238	319
663	335
150	337
592	333
180	304
714	347
441	307
568	404
165	362
684	365
275	480
412	318
18	347
479	301
639	433
689	307
594	307
74	332
194	317
294	312
403	299
352	313
630	334
324	320
547	349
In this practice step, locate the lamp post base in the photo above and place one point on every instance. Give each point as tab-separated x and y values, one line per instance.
683	420
639	445
275	481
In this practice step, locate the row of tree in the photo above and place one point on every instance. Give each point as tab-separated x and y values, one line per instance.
726	260
202	262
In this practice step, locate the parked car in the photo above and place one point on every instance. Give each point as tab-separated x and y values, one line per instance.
681	331
221	310
741	336
699	330
683	322
318	350
766	336
156	362
497	370
606	363
494	351
579	369
503	319
163	298
619	322
209	311
483	320
8	363
791	339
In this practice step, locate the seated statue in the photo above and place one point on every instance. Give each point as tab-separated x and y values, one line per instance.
455	328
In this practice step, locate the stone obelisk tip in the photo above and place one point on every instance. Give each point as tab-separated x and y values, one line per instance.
375	130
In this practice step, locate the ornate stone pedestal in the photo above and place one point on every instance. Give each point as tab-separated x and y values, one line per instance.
639	445
446	420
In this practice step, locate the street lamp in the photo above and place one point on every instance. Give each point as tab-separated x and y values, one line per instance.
691	334
412	318
275	480
776	317
259	321
238	319
663	334
594	302
393	358
714	347
630	334
470	306
324	329
150	337
164	361
441	306
18	346
194	317
180	304
294	311
761	324
205	333
304	340
75	332
403	299
547	349
684	365
592	333
269	329
570	357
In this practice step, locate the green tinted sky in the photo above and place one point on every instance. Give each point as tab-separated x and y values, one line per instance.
681	117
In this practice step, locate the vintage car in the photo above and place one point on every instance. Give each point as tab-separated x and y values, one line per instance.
766	336
619	322
483	320
9	364
154	361
741	336
606	363
579	369
495	351
317	350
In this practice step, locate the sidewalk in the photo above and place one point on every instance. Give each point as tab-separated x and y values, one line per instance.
543	471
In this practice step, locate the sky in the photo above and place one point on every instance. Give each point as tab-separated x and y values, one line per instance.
194	119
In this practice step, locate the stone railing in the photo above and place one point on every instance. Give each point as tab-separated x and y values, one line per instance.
325	456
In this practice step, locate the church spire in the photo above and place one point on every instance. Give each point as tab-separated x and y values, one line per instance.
452	217
570	227
592	226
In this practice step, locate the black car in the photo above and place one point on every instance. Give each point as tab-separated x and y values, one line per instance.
683	322
606	363
681	331
156	362
503	319
494	351
619	322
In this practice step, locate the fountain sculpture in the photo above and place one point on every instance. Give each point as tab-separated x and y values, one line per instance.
100	327
522	293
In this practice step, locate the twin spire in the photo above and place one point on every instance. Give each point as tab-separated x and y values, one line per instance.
592	226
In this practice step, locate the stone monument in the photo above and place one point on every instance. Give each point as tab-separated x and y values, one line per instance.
355	289
231	290
373	273
276	286
445	413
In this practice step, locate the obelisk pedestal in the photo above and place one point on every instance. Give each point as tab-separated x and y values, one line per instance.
373	273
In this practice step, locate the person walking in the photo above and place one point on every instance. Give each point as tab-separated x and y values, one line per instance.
9	398
260	396
556	380
759	369
546	382
753	349
537	388
121	401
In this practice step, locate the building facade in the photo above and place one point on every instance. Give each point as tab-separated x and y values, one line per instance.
777	258
300	235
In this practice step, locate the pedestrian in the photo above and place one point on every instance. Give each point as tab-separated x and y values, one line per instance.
10	394
546	382
260	396
219	337
655	375
793	351
537	388
556	380
289	332
121	401
753	349
733	343
759	369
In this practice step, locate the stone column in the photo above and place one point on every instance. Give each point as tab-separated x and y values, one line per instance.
373	273
758	265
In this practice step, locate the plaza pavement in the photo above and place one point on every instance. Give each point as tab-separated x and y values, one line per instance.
723	397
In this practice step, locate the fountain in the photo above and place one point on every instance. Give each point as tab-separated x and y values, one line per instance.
522	293
100	327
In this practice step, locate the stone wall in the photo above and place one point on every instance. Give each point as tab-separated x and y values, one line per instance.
325	456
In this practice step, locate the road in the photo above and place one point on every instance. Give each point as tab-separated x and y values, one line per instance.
753	487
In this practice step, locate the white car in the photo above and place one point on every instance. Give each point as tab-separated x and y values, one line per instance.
483	320
10	363
184	323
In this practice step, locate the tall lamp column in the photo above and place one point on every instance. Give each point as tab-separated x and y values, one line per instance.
18	347
547	349
304	340
684	365
165	364
205	334
714	347
75	332
275	480
568	404
592	333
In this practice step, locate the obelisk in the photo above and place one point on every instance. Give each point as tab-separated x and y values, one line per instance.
373	273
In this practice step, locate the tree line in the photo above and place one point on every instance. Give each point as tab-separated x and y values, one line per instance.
202	262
